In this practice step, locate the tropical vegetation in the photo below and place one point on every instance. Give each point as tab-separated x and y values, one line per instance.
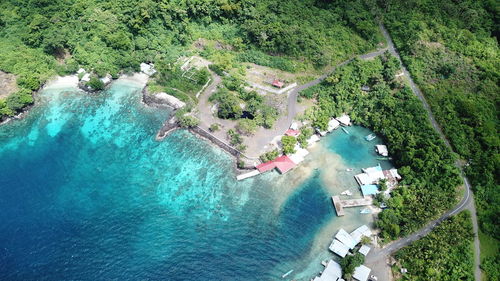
443	255
41	38
451	50
430	179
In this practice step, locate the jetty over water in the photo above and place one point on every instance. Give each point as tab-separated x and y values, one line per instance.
340	204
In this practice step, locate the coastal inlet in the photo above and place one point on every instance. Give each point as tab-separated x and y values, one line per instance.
88	194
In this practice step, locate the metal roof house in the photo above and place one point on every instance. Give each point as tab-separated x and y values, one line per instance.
344	120
339	248
332	272
370	176
364	250
382	150
360	232
346	238
283	164
369	189
361	273
332	125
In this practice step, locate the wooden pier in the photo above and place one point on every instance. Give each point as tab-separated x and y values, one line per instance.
340	204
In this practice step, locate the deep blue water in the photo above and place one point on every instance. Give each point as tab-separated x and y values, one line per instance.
87	194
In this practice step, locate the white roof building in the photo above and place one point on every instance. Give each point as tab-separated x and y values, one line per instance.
359	232
395	174
345	120
339	248
370	176
382	150
299	155
364	250
321	133
312	140
346	238
332	272
361	273
332	125
294	126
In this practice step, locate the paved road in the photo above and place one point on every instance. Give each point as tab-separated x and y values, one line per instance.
467	201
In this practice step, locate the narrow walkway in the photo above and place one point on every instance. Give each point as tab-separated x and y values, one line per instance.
467	201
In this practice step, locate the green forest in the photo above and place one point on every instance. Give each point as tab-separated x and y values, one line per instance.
443	255
451	49
41	38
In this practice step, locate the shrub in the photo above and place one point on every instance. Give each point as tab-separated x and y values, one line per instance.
247	126
214	127
268	156
188	121
95	83
288	143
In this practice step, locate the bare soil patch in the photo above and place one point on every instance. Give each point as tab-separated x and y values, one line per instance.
8	84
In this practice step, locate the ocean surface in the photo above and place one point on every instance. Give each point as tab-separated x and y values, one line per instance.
86	193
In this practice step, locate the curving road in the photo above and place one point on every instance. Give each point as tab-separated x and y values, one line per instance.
467	202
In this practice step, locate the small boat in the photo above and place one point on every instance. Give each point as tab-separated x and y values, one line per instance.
345	130
366	211
349	169
384	158
370	137
286	274
346	192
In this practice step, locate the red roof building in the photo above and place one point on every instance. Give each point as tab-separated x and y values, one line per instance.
282	163
264	167
278	84
292	133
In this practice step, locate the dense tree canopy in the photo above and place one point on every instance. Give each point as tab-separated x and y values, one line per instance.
443	255
39	38
451	49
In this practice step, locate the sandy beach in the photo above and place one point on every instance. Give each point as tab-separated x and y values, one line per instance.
140	79
70	81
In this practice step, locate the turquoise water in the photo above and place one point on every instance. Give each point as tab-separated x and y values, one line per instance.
88	194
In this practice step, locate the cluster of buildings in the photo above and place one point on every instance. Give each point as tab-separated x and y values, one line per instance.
341	245
285	163
371	177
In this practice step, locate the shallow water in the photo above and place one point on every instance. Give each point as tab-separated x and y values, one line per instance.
88	194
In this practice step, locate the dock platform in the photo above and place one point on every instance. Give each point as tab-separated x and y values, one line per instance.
340	204
248	175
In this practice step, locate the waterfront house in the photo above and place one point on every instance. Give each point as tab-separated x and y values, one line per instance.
332	125
359	232
346	239
369	189
338	248
283	164
332	272
370	176
382	150
344	120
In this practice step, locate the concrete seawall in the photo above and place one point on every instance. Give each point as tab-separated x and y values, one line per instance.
231	150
